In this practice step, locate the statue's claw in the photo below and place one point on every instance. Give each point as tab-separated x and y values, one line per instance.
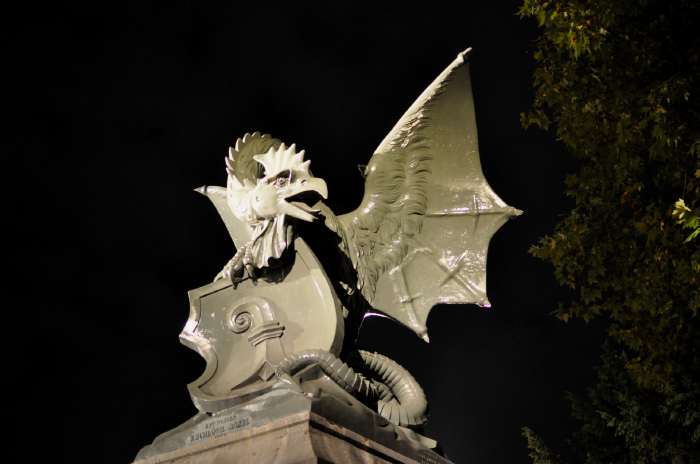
250	271
228	271
234	265
223	274
239	267
247	264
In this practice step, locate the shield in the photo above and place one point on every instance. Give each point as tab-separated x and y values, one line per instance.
244	332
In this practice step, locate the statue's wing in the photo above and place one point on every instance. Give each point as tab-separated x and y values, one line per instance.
420	236
238	230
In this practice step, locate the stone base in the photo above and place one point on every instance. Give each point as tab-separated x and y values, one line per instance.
296	439
320	423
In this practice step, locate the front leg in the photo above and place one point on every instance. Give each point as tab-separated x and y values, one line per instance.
240	265
234	265
247	263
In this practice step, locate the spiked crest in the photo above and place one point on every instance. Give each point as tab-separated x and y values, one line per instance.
282	158
241	167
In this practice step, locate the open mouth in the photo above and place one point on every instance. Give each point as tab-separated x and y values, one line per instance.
305	201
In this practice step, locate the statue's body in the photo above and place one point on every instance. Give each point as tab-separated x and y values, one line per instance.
284	314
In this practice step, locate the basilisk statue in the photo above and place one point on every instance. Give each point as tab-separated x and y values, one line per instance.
419	238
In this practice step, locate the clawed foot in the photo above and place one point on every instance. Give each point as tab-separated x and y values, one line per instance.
240	267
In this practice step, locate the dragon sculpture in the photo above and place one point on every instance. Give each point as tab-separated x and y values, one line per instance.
419	238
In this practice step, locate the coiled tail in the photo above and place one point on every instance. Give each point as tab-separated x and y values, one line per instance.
407	404
399	397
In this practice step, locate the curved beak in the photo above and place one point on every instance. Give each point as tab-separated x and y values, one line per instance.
301	196
316	184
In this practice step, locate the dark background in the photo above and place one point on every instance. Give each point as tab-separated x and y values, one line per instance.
125	109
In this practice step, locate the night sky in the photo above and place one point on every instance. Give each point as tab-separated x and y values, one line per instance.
125	110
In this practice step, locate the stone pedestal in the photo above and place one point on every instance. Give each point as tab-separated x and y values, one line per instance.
319	424
301	438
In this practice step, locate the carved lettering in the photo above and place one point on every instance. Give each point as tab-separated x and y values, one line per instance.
216	427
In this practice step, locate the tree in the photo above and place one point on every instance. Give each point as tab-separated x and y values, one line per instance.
617	82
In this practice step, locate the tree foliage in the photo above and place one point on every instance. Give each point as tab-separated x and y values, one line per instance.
539	451
617	81
687	218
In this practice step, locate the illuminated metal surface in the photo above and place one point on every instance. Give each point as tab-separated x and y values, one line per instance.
421	235
419	238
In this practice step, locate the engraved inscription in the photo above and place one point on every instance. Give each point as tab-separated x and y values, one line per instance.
216	427
428	457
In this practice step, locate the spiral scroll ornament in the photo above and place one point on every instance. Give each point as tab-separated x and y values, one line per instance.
240	321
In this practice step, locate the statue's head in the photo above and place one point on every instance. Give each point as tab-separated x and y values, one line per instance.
280	185
286	187
268	182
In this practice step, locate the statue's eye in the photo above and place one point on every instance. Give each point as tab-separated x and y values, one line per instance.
282	179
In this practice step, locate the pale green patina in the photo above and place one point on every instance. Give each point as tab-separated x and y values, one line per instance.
419	238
